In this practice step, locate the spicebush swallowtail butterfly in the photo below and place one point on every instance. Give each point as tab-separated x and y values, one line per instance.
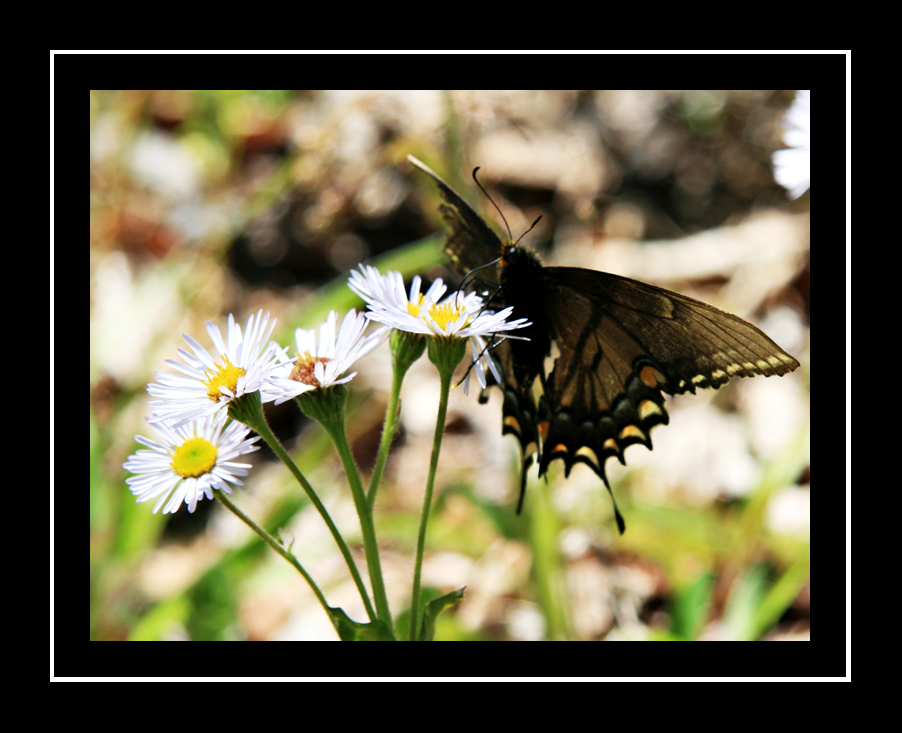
621	343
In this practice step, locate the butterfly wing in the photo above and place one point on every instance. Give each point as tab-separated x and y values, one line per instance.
622	342
471	243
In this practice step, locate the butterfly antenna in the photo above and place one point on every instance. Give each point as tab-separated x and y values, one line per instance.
530	229
509	235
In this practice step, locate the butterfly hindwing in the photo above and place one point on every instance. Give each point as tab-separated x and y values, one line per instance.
621	343
603	393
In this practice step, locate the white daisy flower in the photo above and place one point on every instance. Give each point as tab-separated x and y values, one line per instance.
190	462
460	315
320	366
792	168
386	292
208	383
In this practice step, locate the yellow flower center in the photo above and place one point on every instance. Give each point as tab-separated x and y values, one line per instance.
414	308
445	314
194	458
224	376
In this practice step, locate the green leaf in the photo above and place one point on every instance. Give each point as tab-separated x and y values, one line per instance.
780	596
692	607
434	608
350	630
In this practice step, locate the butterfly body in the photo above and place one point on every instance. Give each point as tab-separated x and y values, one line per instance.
620	343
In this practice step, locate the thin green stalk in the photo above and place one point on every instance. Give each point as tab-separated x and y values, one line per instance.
261	427
336	430
406	348
277	546
445	376
547	565
392	417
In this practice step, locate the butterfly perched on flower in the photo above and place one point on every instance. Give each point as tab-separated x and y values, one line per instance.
620	343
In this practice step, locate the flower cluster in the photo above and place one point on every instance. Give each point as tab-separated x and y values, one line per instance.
193	407
196	448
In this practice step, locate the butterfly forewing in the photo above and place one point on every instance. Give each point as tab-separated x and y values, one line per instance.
470	243
694	344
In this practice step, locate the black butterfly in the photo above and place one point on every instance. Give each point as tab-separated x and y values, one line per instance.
621	342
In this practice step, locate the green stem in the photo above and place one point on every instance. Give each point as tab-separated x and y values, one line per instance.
427	501
277	546
336	430
257	422
392	417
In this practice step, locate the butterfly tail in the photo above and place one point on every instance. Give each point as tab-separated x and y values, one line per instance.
621	525
527	462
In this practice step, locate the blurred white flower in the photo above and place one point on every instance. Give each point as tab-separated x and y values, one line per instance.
792	167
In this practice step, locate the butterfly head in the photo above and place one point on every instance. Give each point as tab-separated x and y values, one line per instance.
510	253
523	264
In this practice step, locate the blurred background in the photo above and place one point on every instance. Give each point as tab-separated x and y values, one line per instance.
205	203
